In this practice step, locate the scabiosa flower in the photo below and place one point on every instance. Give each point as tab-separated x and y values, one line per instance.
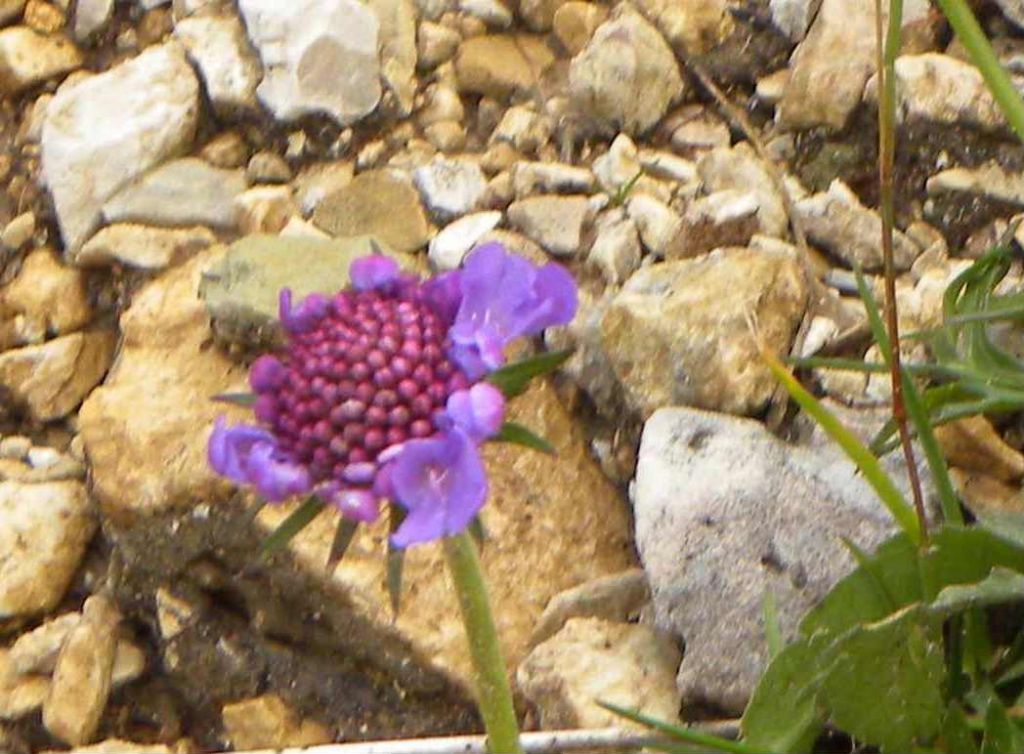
379	394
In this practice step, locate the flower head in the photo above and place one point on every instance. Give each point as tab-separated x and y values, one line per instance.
378	393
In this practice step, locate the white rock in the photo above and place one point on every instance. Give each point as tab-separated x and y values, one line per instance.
522	128
330	66
450	187
666	165
555	222
92	16
28	57
941	88
44	529
740	168
550	177
724	218
43	457
102	132
227	64
793	17
657	222
616	249
619	165
839	223
449	247
627	76
1013	10
491	12
183	192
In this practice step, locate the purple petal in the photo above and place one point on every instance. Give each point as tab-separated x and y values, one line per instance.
266	374
358	505
229	448
444	293
275	478
304	316
373	272
479	411
442	485
504	297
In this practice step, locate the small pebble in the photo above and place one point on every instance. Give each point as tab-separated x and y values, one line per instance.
18	231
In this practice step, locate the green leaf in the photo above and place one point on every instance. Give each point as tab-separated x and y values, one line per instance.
395	561
783	714
343	536
957	735
694	737
517	434
1002	735
1000	587
513	379
884	686
883	583
299	518
868	464
236	399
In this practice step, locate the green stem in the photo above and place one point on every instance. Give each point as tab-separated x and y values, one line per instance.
494	697
971	35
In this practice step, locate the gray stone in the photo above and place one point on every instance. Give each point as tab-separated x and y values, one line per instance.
1013	10
724	218
725	515
679	333
184	192
302	60
102	132
625	56
793	17
92	16
616	249
397	49
657	223
379	203
241	290
550	177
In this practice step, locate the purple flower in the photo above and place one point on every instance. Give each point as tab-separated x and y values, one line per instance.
505	297
378	394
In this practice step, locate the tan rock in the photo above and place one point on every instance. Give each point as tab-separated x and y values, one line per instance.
28	57
679	333
36	651
52	379
43	17
265	209
499	65
82	677
555	222
616	598
379	203
575	22
44	529
145	429
117	746
142	246
50	297
23	696
974	445
692	27
267	722
535	502
986	495
592	659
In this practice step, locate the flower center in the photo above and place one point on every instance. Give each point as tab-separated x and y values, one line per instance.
372	373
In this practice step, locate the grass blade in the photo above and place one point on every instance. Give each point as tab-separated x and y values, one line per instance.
693	737
296	522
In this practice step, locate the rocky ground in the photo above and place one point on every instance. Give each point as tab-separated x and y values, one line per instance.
706	169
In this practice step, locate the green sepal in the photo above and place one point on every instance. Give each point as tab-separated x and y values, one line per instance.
517	434
395	559
513	379
343	536
299	518
236	399
478	532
